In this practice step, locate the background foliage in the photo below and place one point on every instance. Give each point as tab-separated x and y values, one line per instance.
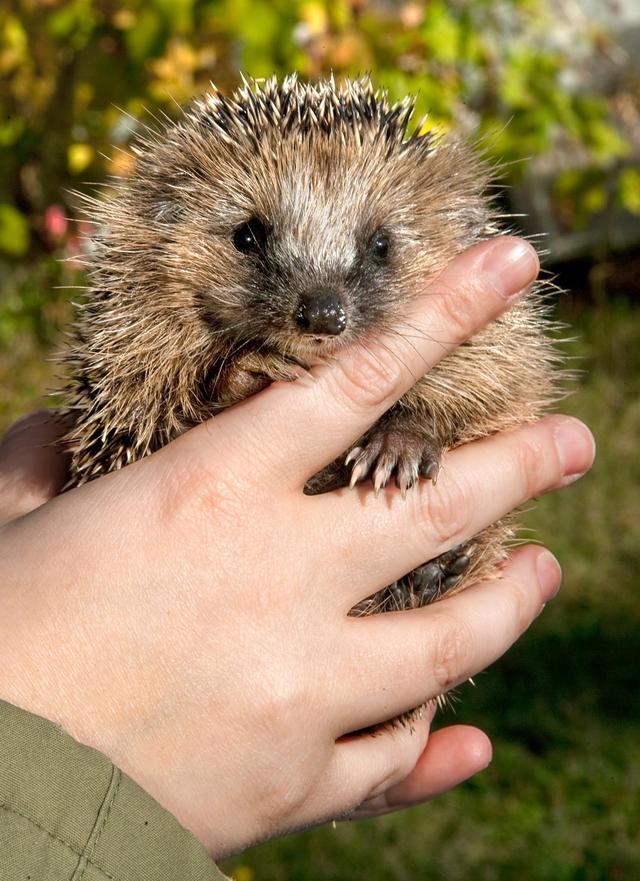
510	71
532	79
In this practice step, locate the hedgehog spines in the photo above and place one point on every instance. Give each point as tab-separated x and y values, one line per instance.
300	109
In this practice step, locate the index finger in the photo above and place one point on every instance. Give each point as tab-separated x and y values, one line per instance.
302	426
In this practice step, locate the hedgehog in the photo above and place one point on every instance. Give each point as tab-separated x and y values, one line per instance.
264	231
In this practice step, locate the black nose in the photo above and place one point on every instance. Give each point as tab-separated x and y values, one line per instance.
321	314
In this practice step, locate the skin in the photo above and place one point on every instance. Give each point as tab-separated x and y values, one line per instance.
187	615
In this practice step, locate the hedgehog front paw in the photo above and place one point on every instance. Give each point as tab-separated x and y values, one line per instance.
250	372
387	453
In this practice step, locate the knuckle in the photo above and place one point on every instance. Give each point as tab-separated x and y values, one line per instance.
459	308
524	605
190	490
283	804
369	377
398	761
531	466
449	652
278	712
445	509
281	702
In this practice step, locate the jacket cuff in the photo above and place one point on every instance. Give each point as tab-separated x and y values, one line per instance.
67	812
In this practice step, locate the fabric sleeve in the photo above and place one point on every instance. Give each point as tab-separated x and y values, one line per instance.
66	812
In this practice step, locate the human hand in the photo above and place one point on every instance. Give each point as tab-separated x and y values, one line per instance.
33	466
188	615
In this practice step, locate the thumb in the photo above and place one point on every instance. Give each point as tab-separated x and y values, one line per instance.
33	465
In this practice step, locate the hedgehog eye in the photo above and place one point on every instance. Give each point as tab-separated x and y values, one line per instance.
251	236
380	245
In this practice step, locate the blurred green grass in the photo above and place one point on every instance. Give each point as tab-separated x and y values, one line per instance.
561	801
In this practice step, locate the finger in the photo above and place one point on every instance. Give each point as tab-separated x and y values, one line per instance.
451	756
479	483
365	765
33	467
404	659
336	402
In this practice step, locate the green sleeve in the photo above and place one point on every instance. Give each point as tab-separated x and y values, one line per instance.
67	813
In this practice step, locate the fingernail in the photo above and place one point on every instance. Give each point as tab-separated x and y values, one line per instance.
576	448
511	264
549	575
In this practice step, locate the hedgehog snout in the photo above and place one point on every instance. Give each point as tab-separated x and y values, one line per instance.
321	314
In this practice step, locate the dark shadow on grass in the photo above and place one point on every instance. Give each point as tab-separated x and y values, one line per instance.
550	681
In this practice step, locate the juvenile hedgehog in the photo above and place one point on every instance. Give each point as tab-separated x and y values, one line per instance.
270	228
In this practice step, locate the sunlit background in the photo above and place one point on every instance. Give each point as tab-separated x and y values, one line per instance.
552	91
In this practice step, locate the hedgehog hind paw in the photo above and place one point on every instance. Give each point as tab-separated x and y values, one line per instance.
438	577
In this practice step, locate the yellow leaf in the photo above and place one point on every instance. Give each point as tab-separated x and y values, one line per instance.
184	56
121	164
243	873
412	15
314	15
14	35
79	157
124	19
84	94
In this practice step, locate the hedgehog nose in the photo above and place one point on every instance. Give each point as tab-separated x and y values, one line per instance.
321	313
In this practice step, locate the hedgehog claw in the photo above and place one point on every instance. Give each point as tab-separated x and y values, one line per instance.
352	455
358	472
393	453
429	468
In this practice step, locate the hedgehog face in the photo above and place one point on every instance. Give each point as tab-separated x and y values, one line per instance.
300	217
305	256
309	294
330	247
313	274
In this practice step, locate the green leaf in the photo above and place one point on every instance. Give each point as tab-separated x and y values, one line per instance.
582	193
73	24
442	34
11	130
144	37
14	232
177	13
606	141
629	189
